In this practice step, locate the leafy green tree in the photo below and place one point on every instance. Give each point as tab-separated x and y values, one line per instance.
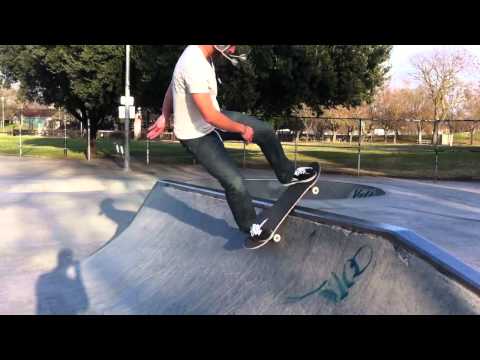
86	80
278	79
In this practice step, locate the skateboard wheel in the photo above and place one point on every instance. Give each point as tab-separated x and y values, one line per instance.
315	190
277	238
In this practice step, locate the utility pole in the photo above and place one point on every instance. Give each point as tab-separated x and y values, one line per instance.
127	112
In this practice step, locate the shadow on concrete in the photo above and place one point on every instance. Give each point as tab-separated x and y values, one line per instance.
204	222
122	218
61	291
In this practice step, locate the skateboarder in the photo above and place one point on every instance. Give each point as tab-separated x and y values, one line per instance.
201	127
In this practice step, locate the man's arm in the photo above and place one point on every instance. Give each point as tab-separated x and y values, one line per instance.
219	120
163	120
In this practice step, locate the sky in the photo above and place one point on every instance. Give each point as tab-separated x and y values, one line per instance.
401	67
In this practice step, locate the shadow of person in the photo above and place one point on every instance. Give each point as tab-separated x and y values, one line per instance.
61	291
121	217
202	221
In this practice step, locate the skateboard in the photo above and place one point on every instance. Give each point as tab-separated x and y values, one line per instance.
272	217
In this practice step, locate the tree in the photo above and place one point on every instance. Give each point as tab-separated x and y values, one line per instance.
357	112
389	109
280	79
151	73
12	102
277	80
472	111
456	105
86	80
416	108
309	123
440	74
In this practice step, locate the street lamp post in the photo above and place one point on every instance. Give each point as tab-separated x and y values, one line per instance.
127	111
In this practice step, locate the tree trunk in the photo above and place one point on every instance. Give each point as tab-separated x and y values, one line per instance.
93	146
385	136
435	132
472	133
395	137
334	139
93	139
419	130
450	134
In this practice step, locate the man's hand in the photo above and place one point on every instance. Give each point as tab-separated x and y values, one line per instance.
157	128
247	134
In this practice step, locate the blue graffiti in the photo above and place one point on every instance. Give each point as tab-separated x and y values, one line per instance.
337	288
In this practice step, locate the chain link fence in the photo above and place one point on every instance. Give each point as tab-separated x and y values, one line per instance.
360	147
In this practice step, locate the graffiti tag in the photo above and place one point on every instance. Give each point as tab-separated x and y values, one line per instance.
336	288
363	193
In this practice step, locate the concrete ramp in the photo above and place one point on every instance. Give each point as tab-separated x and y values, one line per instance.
182	254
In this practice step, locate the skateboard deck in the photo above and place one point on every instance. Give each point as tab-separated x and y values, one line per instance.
272	217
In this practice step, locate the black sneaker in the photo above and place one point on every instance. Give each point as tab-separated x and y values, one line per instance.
302	175
258	235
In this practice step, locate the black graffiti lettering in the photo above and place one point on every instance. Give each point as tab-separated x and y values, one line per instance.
362	193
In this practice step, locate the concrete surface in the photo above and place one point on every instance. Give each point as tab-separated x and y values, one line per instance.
447	213
48	206
182	254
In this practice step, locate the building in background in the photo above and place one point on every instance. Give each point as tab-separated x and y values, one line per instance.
38	117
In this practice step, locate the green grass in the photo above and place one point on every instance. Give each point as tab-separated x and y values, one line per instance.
464	138
408	161
41	147
379	159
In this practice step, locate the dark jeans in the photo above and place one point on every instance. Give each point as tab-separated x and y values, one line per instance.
210	152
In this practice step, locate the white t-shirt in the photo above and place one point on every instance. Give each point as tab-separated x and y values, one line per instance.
193	74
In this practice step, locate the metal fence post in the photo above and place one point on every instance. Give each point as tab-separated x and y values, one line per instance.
295	151
21	125
148	152
89	154
359	146
64	135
